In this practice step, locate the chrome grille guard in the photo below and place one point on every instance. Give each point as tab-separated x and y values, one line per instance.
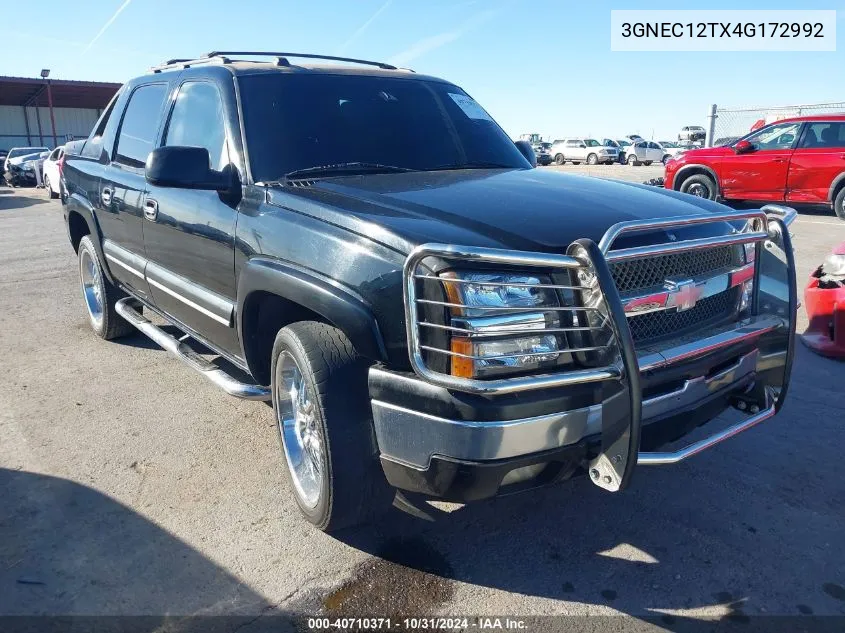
612	469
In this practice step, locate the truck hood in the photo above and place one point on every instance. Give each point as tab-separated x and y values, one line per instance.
523	209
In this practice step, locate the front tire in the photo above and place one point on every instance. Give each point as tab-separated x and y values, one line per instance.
559	159
99	295
839	204
632	160
322	408
699	185
592	159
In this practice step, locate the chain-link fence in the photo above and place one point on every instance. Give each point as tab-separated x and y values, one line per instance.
729	123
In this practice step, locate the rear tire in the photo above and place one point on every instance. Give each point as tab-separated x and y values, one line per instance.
322	407
699	185
559	159
99	295
53	195
839	203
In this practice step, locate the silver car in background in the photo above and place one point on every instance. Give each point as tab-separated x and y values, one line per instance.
583	150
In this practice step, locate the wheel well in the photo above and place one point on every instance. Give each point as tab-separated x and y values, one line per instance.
78	228
836	190
264	314
693	171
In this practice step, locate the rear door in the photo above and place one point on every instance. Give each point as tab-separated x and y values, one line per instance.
761	173
817	161
189	235
122	186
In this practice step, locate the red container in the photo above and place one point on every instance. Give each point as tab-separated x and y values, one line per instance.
826	310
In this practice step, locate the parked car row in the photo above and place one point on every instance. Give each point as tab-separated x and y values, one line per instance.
633	150
22	164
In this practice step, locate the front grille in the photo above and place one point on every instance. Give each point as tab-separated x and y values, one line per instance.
640	274
707	312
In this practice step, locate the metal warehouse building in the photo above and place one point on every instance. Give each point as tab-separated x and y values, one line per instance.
49	112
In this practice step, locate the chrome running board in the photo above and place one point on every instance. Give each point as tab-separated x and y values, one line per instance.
229	384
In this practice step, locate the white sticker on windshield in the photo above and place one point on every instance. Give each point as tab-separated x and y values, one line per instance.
470	107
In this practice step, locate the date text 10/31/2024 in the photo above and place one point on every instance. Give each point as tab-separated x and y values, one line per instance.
417	624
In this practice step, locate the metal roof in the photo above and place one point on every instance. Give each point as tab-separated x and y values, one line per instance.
25	91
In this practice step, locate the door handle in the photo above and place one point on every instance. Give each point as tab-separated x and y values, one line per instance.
105	196
150	209
778	160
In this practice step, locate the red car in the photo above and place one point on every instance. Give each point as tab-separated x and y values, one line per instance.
797	160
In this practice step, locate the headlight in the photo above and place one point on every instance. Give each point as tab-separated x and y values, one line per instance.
499	323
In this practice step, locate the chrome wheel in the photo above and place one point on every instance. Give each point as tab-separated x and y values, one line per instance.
92	287
699	190
302	436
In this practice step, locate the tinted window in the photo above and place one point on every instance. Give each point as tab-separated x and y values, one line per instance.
197	121
653	145
824	135
139	126
297	121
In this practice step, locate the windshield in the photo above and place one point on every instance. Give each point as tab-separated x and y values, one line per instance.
668	144
624	143
591	142
610	142
24	151
296	122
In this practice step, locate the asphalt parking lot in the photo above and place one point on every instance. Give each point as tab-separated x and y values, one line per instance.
129	485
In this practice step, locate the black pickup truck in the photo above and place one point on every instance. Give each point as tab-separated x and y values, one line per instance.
431	316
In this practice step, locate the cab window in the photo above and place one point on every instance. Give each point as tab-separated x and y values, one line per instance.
140	124
197	121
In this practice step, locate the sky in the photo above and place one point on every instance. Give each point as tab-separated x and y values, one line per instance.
535	65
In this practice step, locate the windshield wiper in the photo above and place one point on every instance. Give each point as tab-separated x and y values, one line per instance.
475	164
344	169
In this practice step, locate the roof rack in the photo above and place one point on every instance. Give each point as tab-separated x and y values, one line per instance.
281	58
187	63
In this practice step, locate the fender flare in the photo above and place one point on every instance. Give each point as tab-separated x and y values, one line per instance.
679	176
336	304
79	205
833	186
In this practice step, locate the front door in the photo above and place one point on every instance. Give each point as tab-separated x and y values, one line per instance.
122	186
188	234
761	173
818	160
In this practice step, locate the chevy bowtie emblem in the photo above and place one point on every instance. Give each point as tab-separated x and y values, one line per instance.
682	294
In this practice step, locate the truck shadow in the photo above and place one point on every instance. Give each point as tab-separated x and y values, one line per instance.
66	549
738	533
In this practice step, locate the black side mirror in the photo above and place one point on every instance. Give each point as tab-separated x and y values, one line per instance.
527	151
184	168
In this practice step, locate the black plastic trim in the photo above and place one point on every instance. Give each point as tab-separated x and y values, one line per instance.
338	306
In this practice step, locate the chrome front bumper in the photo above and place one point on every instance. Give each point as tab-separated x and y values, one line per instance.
413	437
756	380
